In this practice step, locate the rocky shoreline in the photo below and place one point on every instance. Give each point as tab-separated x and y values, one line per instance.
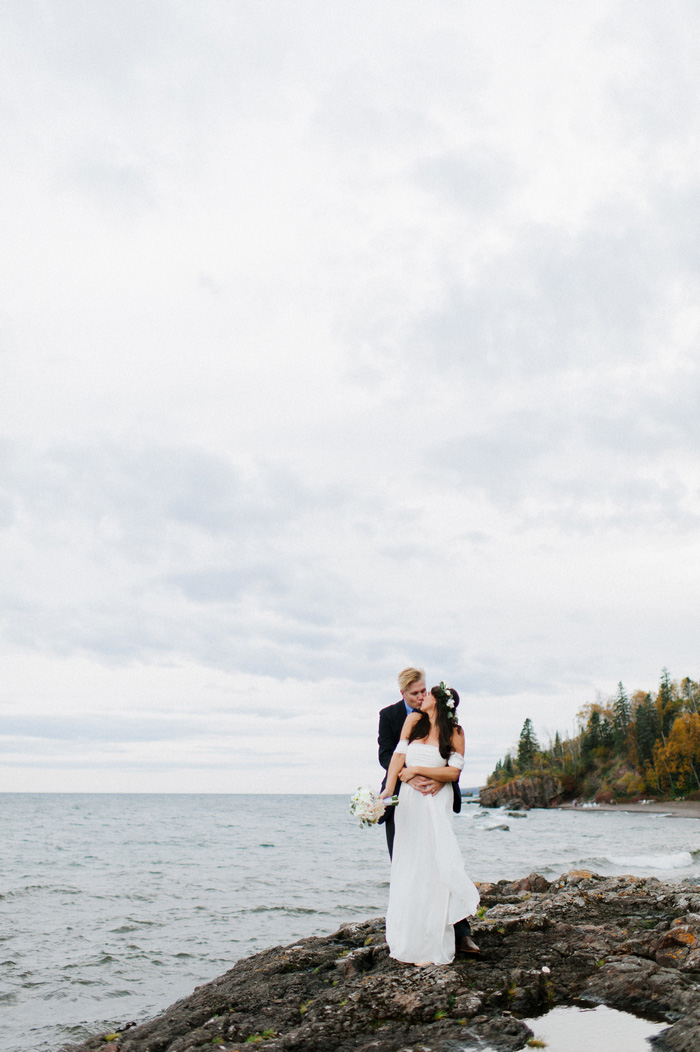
524	793
626	942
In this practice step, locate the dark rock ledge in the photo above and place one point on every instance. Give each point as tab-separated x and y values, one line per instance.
524	793
630	943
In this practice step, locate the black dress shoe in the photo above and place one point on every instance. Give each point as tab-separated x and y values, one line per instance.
467	945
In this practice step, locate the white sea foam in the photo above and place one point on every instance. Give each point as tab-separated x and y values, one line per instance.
637	863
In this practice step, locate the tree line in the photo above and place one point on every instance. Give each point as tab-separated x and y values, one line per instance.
626	746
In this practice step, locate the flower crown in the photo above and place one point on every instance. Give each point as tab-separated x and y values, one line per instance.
446	689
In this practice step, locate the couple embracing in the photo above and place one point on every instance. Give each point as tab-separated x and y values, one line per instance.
421	746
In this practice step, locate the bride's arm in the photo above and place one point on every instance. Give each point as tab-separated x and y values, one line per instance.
395	769
398	759
440	774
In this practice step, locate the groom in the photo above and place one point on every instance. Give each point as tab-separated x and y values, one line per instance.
391	721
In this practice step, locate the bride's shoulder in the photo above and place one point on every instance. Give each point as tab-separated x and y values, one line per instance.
457	736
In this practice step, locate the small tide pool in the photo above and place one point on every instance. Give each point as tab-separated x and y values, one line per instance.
599	1029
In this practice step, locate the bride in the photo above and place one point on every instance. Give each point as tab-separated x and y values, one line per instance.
429	889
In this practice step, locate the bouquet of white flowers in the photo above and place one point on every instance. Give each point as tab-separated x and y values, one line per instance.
366	805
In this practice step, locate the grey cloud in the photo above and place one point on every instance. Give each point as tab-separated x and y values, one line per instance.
579	478
7	511
490	676
112	186
268	611
239	639
115	629
632	508
225	585
476	180
210	284
502	460
98	729
302	603
103	42
143	490
17	731
674	211
655	101
674	413
348	117
402	552
119	762
265	603
142	494
166	64
555	302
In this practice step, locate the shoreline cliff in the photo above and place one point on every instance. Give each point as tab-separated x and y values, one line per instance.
629	943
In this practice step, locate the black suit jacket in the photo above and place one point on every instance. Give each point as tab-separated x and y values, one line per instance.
391	720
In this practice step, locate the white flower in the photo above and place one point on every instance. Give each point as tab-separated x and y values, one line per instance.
449	700
366	805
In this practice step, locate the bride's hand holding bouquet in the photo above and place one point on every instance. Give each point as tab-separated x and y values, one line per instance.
369	807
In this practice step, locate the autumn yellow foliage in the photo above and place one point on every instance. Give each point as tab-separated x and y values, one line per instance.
626	746
677	761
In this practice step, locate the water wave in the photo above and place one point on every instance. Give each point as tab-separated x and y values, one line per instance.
33	889
292	910
673	861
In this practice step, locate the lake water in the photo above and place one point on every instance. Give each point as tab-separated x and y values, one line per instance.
114	906
599	1029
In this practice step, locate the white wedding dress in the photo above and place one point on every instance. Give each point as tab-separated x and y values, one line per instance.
429	889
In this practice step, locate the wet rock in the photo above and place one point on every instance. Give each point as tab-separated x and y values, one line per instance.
524	793
675	947
683	1037
516	804
630	943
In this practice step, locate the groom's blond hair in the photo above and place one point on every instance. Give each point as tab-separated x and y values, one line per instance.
409	676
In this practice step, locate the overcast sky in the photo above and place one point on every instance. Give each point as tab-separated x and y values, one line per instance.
337	337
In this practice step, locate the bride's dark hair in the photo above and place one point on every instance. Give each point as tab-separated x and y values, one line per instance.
447	701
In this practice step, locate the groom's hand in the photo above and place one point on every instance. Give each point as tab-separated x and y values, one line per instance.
426	786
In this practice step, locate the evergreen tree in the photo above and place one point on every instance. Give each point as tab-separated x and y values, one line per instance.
659	734
648	729
622	717
690	693
528	746
607	733
591	737
667	703
558	752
